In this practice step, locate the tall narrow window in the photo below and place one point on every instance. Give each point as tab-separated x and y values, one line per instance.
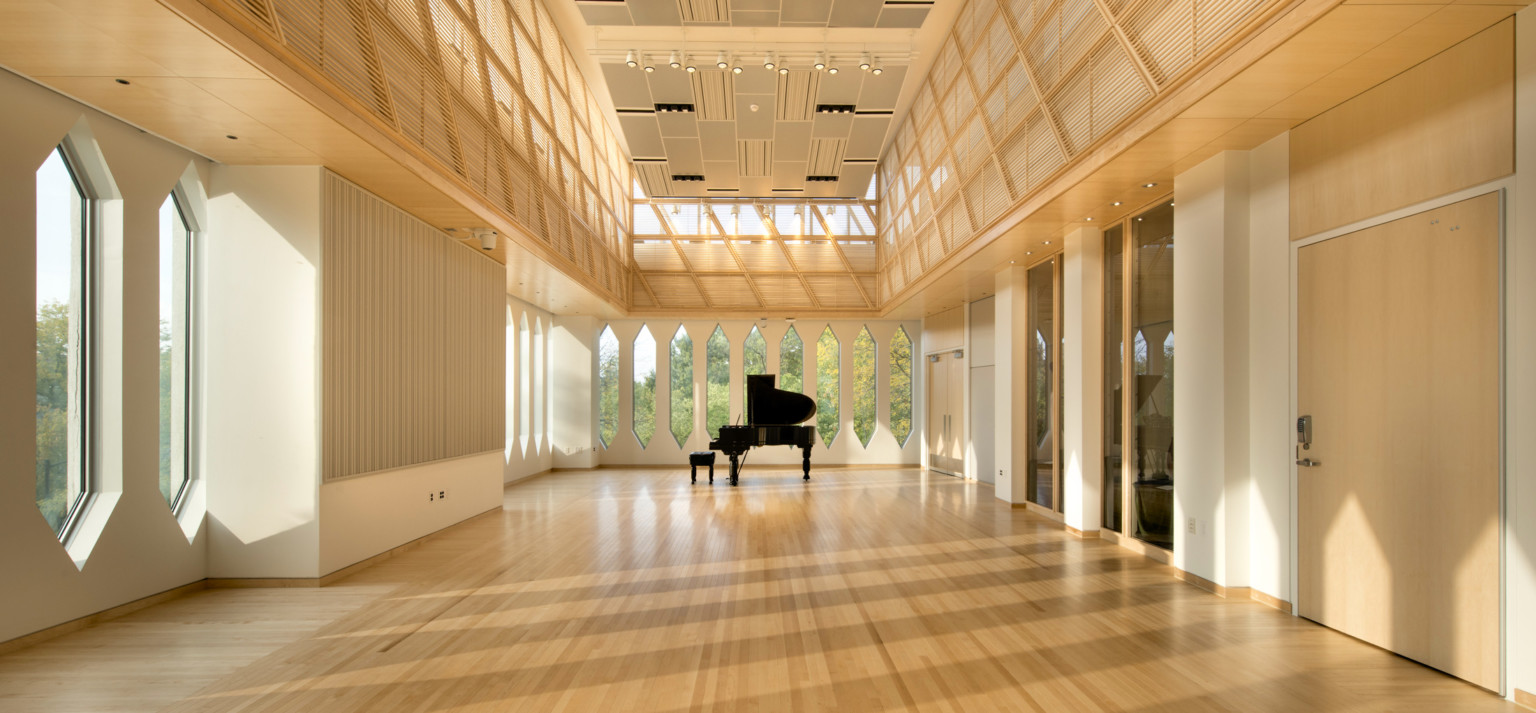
607	386
1114	376
63	298
792	361
1041	385
828	378
681	373
1152	325
524	385
754	358
541	395
175	350
864	386
901	386
643	397
717	387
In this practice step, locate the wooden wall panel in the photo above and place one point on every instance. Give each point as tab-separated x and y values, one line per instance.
1444	125
413	346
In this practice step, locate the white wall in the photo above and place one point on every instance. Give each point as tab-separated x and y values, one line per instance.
261	441
573	377
528	455
1010	346
1082	361
1269	368
845	449
981	367
366	515
1210	388
139	547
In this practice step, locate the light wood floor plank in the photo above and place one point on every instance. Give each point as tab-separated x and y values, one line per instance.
620	590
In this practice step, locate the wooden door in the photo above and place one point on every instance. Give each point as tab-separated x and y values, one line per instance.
938	415
956	410
1398	366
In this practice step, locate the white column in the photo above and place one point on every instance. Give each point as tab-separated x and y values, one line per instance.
1520	395
1010	343
1082	355
1210	391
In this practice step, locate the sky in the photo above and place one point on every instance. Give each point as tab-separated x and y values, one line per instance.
55	214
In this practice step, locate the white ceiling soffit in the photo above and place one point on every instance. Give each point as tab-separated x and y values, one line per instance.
756	13
711	136
717	131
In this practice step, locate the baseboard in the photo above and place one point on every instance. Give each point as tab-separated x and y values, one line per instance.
1046	512
529	476
1082	534
1151	552
723	463
1526	699
1270	600
90	620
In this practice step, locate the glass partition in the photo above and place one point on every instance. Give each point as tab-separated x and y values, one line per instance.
1041	388
1114	376
1151	389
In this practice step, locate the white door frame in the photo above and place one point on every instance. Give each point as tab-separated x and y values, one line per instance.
1503	187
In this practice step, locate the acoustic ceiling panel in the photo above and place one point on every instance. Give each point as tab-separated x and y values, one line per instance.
754	13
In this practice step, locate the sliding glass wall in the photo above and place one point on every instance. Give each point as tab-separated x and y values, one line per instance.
1138	377
1043	385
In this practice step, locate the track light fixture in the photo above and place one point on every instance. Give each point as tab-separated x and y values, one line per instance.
783	69
691	69
629	60
864	62
878	69
720	61
736	69
821	61
673	63
831	70
768	62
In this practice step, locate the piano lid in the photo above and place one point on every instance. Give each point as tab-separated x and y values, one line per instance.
768	406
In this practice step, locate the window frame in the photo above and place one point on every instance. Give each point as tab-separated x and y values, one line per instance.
88	237
188	277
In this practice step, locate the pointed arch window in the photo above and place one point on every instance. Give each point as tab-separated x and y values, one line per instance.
792	361
607	386
717	387
643	395
901	386
863	390
754	358
828	379
680	364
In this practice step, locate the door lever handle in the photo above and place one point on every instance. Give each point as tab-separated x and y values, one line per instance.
1309	463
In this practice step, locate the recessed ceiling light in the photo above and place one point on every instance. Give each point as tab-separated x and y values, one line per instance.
1115	203
1089	218
1029	252
1047	242
1149	185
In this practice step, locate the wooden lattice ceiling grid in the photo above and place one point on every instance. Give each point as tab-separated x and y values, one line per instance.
1019	90
486	89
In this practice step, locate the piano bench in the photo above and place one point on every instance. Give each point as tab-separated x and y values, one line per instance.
698	458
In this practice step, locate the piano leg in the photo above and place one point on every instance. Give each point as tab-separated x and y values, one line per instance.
735	469
807	462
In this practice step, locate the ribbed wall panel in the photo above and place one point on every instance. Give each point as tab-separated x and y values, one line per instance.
412	340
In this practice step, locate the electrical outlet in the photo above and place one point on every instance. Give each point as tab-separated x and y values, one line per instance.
431	497
999	472
1191	527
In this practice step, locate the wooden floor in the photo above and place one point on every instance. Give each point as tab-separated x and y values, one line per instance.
633	590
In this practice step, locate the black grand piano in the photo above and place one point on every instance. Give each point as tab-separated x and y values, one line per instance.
773	419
